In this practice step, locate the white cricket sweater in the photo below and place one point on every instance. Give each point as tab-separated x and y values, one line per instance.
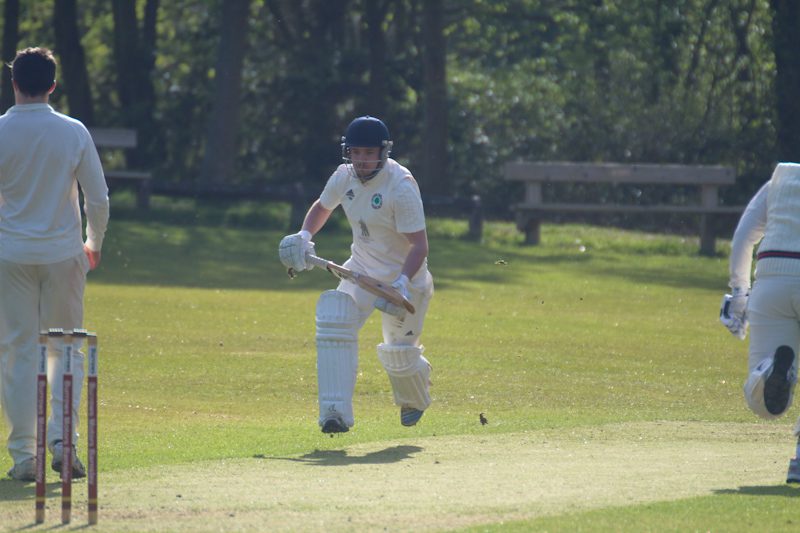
380	211
773	217
44	156
782	232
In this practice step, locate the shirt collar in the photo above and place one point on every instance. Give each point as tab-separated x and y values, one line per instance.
29	107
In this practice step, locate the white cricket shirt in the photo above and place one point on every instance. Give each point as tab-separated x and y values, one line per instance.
773	217
379	211
44	155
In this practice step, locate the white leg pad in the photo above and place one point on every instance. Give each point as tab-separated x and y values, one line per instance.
337	355
409	373
754	391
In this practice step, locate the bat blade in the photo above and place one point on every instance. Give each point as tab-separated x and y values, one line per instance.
369	284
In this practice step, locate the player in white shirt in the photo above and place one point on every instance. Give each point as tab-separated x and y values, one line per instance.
44	156
772	308
382	202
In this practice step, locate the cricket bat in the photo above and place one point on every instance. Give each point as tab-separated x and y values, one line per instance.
367	283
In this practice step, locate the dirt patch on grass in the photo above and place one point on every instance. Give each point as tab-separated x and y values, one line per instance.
430	484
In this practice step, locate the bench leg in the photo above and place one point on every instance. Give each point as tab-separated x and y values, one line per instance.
143	195
476	220
707	236
531	227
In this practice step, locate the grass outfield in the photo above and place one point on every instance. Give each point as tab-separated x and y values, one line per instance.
613	394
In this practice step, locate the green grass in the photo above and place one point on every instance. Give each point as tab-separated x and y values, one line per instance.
207	349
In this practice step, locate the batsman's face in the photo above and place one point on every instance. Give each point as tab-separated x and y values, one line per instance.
365	159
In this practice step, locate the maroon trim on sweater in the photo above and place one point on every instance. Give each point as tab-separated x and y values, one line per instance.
778	253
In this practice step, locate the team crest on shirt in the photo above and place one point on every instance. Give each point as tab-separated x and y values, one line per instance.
377	200
350	194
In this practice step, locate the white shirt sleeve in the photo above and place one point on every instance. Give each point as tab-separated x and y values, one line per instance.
89	174
331	195
749	232
409	213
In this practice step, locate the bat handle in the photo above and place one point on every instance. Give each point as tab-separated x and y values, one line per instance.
317	261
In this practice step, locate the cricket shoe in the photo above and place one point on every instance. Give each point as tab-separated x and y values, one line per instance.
793	476
24	471
57	450
334	424
410	416
778	387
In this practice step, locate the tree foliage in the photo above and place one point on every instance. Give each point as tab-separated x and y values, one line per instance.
683	81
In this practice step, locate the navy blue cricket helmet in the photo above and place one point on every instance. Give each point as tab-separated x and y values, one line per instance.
366	132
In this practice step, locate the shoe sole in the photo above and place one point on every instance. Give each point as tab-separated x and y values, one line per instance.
411	418
334	426
793	475
777	388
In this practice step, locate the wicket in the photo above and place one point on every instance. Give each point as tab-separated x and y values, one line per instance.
66	337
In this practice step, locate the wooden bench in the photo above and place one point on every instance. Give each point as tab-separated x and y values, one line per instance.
707	178
123	139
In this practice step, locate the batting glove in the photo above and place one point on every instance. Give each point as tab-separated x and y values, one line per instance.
382	304
733	312
293	250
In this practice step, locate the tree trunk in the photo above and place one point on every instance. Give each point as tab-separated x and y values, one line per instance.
219	161
376	99
786	45
10	40
434	178
73	62
133	56
126	53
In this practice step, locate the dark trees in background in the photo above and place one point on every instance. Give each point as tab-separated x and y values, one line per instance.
786	45
10	39
219	161
72	61
378	85
134	53
435	178
318	75
464	85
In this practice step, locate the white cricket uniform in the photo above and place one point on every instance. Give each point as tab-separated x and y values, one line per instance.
772	217
44	156
380	211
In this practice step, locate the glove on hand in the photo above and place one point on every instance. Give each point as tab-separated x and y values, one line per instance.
733	312
293	250
382	304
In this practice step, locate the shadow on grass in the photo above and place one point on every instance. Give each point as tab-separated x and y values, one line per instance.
789	491
12	490
161	252
154	253
393	454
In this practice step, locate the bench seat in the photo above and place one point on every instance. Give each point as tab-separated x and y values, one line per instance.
122	138
707	179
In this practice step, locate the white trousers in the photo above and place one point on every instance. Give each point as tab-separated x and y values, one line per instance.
774	314
36	297
395	331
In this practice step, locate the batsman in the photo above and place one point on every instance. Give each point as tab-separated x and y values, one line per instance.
383	205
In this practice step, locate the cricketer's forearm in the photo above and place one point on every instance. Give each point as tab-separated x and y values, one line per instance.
416	254
316	218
